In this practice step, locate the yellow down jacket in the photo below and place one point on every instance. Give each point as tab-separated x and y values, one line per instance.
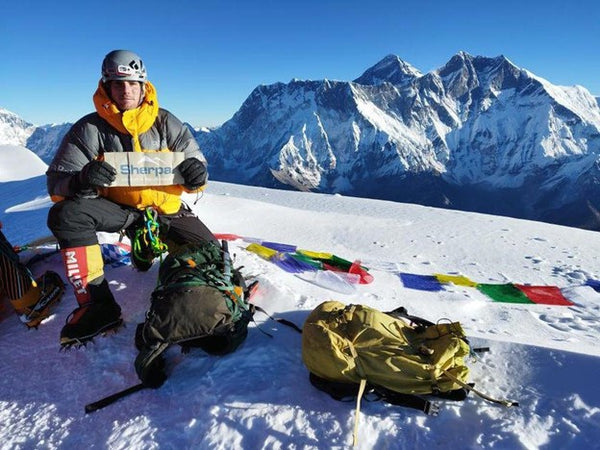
146	128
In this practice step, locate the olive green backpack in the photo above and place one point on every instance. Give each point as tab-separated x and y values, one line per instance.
355	350
200	301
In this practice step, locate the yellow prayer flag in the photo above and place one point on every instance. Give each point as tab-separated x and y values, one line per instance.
263	252
315	255
459	280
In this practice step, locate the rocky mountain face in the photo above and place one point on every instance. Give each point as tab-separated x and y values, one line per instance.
478	134
45	140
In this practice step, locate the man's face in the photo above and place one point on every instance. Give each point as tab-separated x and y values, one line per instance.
126	94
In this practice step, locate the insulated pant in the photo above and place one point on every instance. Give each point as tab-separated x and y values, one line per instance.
75	222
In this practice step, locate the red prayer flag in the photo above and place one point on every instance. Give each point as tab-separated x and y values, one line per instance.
544	295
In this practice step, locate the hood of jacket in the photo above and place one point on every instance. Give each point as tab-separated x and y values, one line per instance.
133	121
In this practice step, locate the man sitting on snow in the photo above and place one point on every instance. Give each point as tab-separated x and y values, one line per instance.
127	119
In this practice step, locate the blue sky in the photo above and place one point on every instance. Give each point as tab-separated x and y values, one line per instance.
206	57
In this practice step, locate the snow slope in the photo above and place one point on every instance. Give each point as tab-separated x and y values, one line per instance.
18	163
545	357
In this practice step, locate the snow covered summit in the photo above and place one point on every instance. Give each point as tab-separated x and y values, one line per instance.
477	134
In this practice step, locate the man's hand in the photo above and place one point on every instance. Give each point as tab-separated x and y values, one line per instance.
96	174
193	172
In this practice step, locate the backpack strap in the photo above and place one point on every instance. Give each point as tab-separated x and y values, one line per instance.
469	387
402	313
347	392
340	391
408	400
361	391
195	272
227	269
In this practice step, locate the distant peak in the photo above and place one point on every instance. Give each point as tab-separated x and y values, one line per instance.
6	112
500	60
463	55
456	63
390	69
463	60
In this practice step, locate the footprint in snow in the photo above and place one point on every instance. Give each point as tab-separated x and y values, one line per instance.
535	259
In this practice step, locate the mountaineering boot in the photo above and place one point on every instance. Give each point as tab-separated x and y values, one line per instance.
98	311
37	303
100	314
31	299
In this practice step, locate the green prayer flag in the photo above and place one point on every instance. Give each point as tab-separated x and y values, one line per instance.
507	293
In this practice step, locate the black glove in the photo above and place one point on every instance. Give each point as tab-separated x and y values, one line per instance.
193	172
96	174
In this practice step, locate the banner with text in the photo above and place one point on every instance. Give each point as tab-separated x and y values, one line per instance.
145	168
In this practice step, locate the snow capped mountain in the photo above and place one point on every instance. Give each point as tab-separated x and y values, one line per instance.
477	134
390	69
43	141
13	129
